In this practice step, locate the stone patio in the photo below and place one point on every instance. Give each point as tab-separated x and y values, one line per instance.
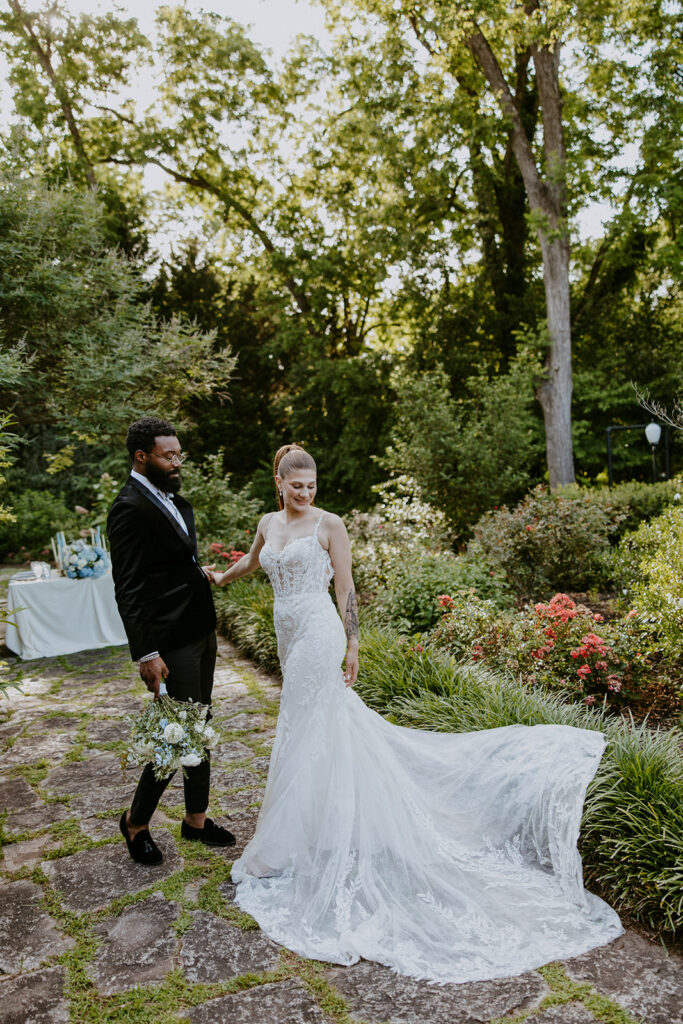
87	934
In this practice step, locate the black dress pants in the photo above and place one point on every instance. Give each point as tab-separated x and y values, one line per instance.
190	677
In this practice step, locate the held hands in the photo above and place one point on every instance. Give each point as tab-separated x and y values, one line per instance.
152	672
211	575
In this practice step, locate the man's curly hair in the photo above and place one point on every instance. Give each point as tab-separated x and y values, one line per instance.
141	434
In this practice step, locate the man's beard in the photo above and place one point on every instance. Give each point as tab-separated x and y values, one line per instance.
161	479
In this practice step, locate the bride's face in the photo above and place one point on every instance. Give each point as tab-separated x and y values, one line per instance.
298	489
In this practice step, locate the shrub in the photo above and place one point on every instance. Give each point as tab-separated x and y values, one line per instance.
561	645
400	525
410	599
550	541
37	515
650	572
634	501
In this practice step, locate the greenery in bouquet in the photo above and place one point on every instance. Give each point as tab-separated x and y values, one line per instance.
169	735
81	560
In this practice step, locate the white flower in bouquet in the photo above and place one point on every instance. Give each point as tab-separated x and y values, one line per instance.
189	760
210	737
174	733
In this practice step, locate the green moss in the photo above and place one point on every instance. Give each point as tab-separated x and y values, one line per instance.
33	773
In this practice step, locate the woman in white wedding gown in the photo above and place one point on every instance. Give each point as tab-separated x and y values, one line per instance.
445	856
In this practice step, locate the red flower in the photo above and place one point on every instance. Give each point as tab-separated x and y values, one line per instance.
446	601
589	700
216	546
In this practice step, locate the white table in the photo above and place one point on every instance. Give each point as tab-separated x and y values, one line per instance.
61	616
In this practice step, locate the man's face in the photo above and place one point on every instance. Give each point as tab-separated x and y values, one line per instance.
160	465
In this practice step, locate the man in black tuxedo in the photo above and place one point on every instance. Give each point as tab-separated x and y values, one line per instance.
164	599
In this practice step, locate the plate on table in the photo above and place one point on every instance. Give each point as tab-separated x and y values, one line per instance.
23	577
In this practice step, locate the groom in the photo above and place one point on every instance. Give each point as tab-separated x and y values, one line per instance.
165	602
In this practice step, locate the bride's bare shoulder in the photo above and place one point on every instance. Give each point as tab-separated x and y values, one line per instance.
331	523
264	523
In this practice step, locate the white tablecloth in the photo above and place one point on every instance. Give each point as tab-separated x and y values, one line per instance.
60	616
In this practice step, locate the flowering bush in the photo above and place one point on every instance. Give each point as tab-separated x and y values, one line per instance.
81	560
550	540
401	525
231	555
560	645
170	734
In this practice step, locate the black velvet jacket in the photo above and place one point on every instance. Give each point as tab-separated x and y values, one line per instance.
163	597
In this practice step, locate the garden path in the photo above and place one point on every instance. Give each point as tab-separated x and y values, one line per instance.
88	936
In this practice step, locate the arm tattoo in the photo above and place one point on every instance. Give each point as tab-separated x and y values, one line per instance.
351	616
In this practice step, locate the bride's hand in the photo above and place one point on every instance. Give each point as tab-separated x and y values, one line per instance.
351	668
211	575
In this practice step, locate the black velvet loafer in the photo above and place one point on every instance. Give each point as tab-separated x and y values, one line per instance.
142	848
211	835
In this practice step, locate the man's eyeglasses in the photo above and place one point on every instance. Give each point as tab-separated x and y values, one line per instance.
175	460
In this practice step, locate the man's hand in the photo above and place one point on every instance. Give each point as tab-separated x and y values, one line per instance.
152	672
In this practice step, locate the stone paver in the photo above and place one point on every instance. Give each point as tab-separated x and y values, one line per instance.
138	946
285	1002
640	975
225	753
93	878
214	950
16	794
28	934
29	749
28	853
35	998
35	816
85	776
376	994
106	730
95	691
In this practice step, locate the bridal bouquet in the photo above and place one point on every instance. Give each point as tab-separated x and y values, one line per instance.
170	734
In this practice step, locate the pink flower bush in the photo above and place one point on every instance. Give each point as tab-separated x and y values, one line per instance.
560	645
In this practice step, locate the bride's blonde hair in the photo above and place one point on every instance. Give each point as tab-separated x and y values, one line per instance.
287	458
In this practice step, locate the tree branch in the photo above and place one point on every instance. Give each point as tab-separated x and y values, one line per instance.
60	92
199	182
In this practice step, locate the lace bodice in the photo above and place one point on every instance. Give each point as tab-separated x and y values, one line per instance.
302	567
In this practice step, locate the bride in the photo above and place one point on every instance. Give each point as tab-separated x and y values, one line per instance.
450	857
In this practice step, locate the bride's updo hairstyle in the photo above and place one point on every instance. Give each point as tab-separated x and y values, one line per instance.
287	458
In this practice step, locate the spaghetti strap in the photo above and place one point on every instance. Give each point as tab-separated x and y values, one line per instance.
320	519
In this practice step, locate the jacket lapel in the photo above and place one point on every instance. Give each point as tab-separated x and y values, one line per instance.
187	538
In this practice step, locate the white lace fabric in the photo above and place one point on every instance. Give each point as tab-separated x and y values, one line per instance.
450	857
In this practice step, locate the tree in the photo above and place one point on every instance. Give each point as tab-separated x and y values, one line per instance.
99	357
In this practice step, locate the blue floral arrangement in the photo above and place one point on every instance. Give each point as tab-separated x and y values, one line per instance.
81	560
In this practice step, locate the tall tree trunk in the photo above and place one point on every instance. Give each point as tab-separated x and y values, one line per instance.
547	199
555	393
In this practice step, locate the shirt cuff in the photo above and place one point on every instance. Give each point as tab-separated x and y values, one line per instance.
148	657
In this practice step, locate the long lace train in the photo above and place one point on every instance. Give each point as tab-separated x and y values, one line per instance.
445	856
